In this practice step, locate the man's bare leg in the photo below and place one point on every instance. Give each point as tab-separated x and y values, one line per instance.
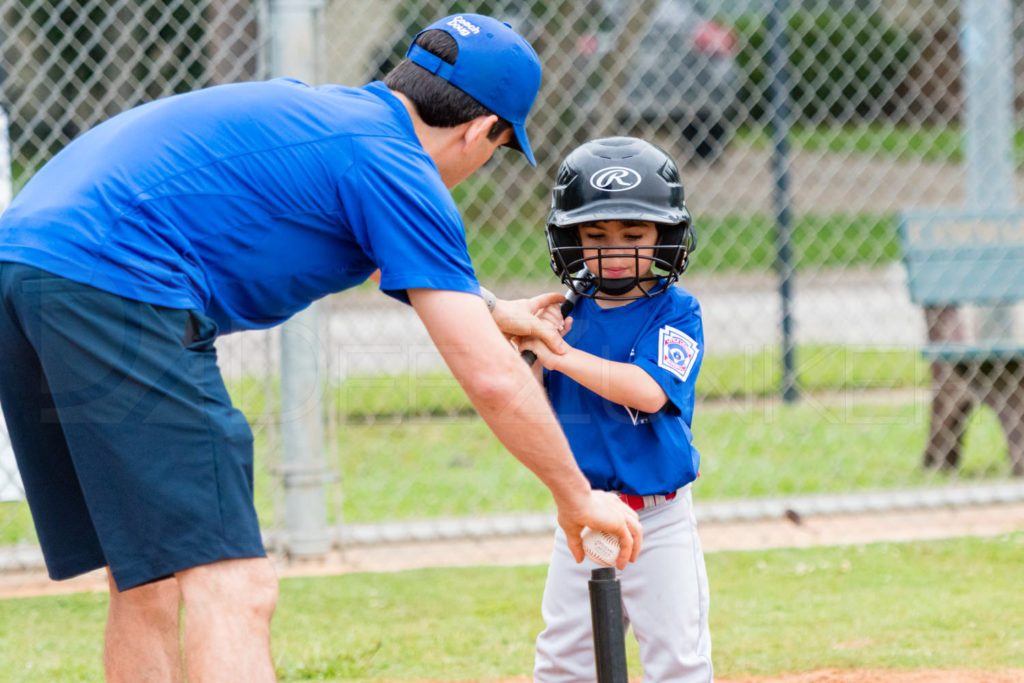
228	606
142	640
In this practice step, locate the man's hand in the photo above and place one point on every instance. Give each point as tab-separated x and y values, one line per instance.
604	511
519	318
553	315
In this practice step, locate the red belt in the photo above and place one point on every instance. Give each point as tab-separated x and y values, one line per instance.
641	502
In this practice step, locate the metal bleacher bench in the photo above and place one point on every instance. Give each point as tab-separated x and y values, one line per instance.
958	260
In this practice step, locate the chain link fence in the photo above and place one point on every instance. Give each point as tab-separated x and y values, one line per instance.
806	130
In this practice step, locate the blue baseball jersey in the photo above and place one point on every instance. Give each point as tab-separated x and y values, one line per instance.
246	201
619	448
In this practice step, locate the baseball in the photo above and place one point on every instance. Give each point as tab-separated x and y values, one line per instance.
601	547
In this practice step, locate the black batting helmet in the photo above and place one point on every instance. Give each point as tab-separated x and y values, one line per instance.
618	178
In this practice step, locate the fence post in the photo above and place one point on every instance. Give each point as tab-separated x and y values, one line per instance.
986	43
296	51
782	200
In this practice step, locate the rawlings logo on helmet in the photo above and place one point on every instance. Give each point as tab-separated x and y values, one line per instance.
615	179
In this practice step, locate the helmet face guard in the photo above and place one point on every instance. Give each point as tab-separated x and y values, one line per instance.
624	179
668	260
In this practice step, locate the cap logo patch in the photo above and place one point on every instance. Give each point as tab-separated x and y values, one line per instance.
677	351
615	179
463	26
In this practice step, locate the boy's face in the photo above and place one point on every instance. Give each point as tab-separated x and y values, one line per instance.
622	253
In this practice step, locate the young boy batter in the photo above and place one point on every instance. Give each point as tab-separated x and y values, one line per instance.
624	394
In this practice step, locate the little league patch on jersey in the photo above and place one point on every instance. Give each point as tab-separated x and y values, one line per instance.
677	351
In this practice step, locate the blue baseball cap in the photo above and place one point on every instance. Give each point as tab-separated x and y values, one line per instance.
495	66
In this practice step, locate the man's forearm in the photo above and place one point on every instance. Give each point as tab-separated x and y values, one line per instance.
523	421
503	389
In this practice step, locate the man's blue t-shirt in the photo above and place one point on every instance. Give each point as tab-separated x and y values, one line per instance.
246	201
618	448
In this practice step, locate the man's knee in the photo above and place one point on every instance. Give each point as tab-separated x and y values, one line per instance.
159	597
262	585
248	585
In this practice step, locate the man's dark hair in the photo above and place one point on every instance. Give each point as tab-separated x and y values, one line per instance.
438	102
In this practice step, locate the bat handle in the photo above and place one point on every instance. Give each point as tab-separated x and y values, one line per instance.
567	305
529	356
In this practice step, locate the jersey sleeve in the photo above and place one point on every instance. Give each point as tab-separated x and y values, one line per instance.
670	348
407	221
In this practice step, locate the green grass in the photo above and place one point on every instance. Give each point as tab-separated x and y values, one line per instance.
53	639
940	143
820	368
928	142
828	448
748	242
888	606
16	524
910	606
431	469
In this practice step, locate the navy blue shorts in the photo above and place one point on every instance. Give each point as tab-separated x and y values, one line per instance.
131	453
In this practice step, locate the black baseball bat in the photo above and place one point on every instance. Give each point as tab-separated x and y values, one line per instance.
572	295
609	629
